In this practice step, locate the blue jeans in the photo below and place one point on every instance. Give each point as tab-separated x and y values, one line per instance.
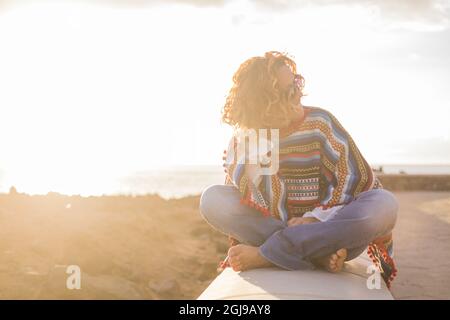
371	214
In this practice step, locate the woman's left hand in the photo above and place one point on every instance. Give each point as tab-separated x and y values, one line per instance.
299	220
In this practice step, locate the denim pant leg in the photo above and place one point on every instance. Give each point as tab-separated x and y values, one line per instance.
220	206
371	214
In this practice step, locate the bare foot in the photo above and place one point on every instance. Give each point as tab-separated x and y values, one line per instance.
300	220
243	257
334	262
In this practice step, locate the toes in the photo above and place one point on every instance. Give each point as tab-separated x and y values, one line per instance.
332	269
236	267
332	266
342	253
332	263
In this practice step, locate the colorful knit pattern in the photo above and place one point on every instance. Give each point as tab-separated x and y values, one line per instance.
319	165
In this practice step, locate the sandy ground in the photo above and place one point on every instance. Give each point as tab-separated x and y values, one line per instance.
126	248
150	248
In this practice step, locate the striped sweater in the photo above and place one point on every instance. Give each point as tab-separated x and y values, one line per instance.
319	166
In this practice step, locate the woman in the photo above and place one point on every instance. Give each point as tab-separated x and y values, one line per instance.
322	207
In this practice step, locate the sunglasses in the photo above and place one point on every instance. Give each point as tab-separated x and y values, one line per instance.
296	83
298	80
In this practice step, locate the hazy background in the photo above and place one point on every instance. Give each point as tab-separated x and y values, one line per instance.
94	95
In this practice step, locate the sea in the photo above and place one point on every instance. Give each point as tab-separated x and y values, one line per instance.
181	181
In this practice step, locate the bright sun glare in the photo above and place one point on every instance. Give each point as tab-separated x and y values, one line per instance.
90	93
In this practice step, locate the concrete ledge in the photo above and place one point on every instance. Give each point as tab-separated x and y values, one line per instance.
412	182
276	284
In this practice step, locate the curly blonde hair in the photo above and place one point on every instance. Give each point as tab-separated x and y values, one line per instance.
255	99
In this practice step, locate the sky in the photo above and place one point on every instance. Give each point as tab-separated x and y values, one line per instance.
105	88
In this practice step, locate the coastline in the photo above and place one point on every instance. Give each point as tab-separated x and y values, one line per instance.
147	247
